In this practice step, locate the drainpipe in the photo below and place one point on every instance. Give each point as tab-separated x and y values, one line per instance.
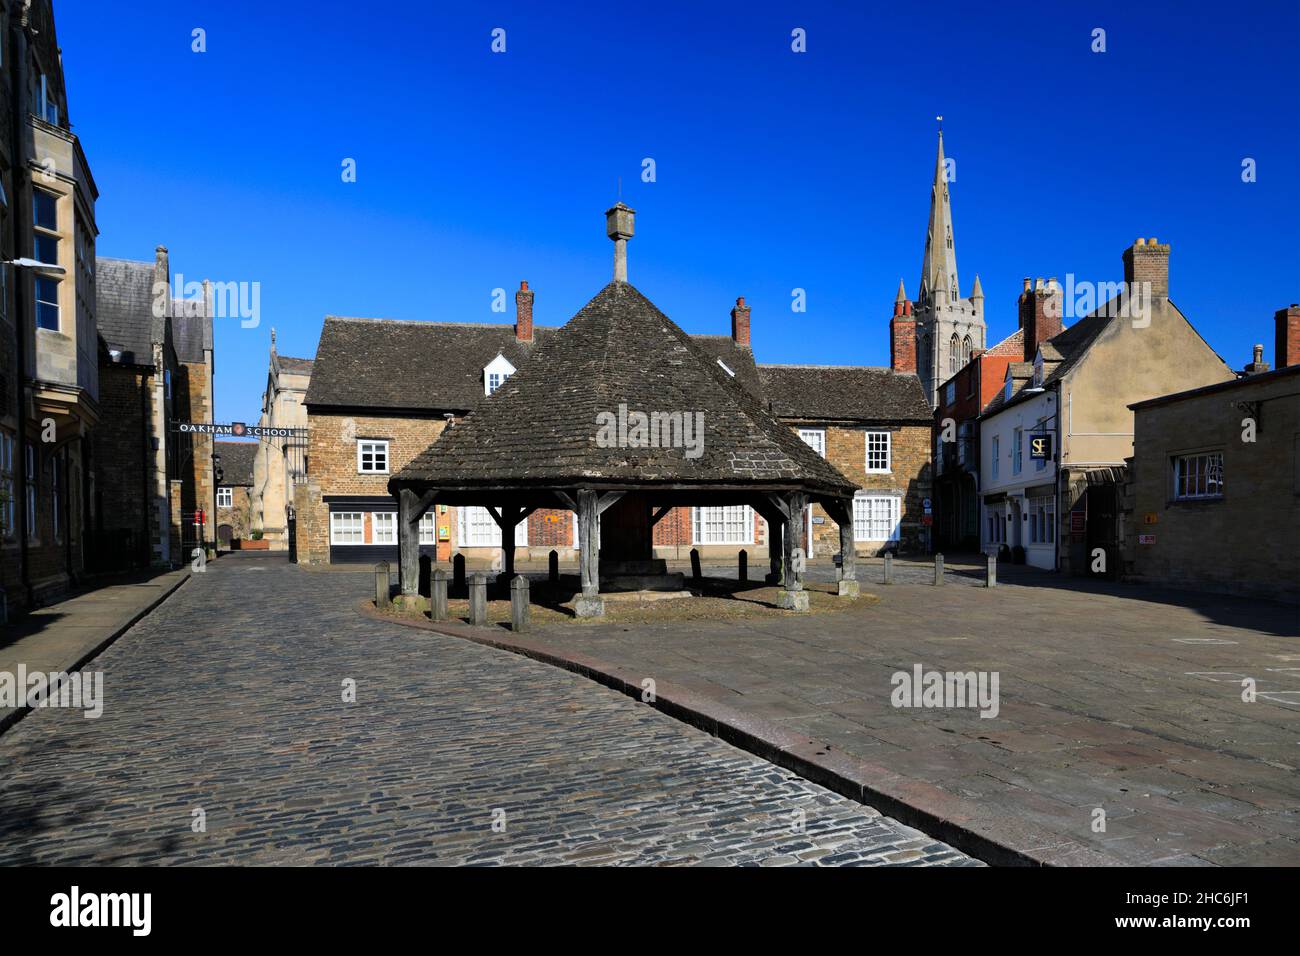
18	113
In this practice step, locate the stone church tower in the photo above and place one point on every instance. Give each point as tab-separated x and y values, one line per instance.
949	329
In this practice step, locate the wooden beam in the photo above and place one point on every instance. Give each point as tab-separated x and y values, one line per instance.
408	540
657	515
607	501
588	552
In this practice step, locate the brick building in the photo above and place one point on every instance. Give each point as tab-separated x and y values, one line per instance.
1214	489
156	370
49	384
235	464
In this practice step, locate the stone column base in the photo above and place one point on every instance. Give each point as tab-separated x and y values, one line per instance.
794	600
589	605
849	589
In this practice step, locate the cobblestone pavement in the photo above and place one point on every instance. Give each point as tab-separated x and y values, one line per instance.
228	700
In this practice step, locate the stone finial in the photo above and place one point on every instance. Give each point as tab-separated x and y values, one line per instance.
620	226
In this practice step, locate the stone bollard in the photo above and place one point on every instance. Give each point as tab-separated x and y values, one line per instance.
426	565
938	569
383	599
742	566
889	568
478	600
695	564
519	604
458	573
438	596
553	567
991	576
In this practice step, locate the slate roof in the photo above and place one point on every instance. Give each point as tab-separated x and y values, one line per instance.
422	366
124	308
191	329
540	427
294	366
844	392
237	461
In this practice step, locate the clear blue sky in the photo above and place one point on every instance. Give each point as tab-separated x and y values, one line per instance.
775	170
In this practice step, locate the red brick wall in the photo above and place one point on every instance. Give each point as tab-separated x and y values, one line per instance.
1286	344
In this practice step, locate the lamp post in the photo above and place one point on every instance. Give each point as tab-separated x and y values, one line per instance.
47	268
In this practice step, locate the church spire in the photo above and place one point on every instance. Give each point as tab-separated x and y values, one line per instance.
939	267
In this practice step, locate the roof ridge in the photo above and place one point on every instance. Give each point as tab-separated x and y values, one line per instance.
430	323
869	368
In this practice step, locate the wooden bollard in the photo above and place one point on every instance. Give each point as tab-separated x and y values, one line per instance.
438	596
519	604
478	599
938	569
426	566
889	568
458	572
991	575
742	566
383	599
695	563
553	567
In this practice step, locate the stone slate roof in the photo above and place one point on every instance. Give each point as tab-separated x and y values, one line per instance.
540	428
191	329
237	461
844	393
294	366
738	358
124	308
421	366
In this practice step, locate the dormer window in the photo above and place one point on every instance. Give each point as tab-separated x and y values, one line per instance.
1006	390
495	374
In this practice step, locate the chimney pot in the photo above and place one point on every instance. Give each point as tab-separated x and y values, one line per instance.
1026	283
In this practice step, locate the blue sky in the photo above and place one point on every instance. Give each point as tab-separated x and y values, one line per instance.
775	170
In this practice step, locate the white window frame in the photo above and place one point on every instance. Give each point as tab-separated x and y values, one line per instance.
428	528
814	438
225	496
495	374
867	517
373	444
475	528
1017	450
888	452
997	451
722	524
387	520
1206	464
1042	520
345	524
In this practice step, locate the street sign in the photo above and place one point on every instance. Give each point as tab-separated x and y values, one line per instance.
1146	539
1040	447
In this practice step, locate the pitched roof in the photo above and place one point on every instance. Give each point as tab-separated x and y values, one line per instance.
844	392
541	427
294	366
124	308
237	461
191	325
428	366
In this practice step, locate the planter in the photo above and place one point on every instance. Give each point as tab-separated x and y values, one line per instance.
247	544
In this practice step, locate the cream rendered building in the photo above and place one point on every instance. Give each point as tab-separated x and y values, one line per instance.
278	460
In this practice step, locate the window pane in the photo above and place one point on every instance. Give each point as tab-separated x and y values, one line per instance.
45	210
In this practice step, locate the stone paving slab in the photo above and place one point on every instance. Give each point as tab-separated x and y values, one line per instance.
228	699
1115	698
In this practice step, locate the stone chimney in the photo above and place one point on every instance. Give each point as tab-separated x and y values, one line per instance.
1147	261
1040	314
1258	364
162	283
524	313
619	221
902	335
1286	344
740	323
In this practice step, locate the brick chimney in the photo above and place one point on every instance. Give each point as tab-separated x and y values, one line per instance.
740	323
902	336
1040	313
524	313
1286	345
1147	261
1258	364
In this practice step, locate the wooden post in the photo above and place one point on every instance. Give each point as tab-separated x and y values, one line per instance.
589	603
553	567
938	569
841	513
991	574
519	604
742	566
695	565
793	596
383	598
478	599
438	596
889	568
408	540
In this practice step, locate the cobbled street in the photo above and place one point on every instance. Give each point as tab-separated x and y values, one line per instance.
228	699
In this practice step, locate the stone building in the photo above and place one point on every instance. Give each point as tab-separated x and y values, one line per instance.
155	371
1214	488
1053	443
235	466
280	462
49	382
